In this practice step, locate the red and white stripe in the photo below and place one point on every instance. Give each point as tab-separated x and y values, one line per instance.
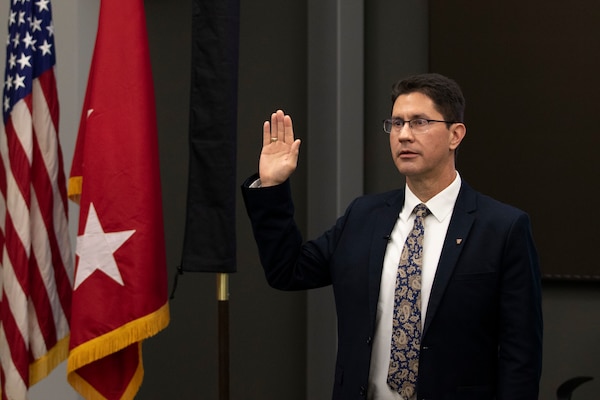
36	271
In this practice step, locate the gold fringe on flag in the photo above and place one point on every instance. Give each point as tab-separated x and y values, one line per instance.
109	343
41	368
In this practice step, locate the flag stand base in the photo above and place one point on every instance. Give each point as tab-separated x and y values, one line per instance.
223	333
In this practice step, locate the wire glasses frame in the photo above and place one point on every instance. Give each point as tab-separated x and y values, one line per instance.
417	125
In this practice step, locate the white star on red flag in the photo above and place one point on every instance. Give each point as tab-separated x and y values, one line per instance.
96	248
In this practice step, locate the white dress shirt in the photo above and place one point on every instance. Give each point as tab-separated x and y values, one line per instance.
436	226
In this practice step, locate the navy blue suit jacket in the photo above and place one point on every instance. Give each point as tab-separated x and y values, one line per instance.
482	337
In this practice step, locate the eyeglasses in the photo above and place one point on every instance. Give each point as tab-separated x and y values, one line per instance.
417	125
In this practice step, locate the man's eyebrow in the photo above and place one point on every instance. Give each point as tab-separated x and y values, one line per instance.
412	116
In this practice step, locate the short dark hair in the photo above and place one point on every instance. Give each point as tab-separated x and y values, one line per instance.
445	93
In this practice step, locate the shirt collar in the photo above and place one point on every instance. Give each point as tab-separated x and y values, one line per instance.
440	205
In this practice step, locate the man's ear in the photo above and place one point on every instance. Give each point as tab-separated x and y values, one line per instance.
457	133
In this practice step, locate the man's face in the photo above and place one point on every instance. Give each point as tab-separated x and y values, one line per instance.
427	155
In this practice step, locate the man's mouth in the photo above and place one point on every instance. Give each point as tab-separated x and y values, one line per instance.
407	153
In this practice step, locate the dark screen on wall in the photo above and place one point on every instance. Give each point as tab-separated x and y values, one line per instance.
530	72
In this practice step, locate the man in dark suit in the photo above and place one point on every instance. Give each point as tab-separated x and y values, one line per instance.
443	303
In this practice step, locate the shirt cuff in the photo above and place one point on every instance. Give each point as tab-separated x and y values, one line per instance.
256	184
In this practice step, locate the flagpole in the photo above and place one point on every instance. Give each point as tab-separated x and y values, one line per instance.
223	333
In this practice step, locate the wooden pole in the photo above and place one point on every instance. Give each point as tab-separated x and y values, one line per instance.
223	332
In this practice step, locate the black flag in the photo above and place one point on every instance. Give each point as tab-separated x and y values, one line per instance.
210	241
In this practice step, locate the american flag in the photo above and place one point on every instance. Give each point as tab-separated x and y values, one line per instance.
37	267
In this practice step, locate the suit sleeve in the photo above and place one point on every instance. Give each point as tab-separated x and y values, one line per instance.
289	264
520	333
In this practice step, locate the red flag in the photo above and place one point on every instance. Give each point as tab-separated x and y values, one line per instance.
36	260
120	285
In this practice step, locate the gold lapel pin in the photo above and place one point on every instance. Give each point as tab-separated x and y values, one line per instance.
458	241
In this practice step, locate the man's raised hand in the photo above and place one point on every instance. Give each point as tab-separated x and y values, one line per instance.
279	155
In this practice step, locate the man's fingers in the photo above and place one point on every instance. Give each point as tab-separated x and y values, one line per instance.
275	123
266	133
280	132
277	129
288	129
280	128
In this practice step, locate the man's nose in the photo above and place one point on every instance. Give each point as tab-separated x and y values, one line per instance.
404	132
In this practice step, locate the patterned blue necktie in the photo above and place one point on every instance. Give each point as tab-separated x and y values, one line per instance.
406	328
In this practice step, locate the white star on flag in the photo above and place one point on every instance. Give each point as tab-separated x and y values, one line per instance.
96	248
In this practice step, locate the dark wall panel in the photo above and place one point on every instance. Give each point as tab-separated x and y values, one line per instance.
267	327
530	74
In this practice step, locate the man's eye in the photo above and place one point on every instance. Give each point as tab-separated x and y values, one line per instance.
419	122
398	122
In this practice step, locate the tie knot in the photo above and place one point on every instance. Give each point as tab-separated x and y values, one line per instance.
421	210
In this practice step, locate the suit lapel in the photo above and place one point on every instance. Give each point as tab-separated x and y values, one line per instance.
458	230
384	221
